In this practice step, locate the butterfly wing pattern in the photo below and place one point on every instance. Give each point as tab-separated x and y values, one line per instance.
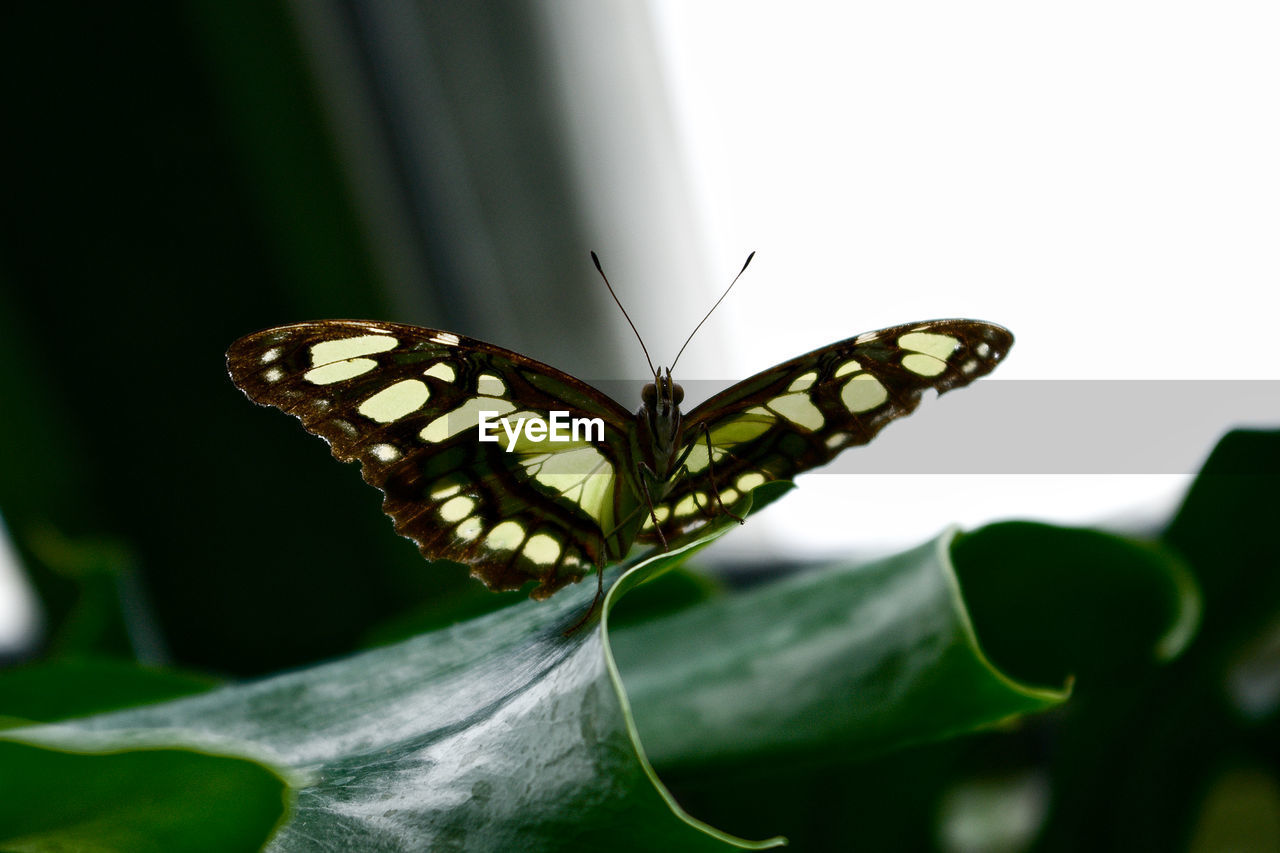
804	412
406	402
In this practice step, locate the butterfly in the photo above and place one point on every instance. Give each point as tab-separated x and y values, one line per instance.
458	434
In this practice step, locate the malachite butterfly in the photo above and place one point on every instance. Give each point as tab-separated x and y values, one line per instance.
407	403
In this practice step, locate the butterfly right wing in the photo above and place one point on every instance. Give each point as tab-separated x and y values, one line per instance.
406	403
804	412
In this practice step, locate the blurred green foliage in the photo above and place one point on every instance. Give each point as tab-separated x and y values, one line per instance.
177	189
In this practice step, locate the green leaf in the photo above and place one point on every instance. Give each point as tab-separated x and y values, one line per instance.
773	710
829	663
504	733
499	733
140	800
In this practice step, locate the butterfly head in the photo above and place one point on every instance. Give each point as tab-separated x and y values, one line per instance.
662	396
661	407
659	422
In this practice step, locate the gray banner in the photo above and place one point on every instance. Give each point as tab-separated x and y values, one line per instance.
1047	426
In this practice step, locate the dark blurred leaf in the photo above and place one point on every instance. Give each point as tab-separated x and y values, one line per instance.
209	203
1224	529
1241	812
1052	603
61	689
1131	765
106	611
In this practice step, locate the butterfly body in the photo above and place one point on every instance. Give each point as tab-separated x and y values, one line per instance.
658	424
410	404
658	429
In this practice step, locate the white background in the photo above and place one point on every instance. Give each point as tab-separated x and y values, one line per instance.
1102	178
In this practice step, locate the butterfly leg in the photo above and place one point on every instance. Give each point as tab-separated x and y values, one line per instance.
711	470
682	470
600	564
648	499
595	602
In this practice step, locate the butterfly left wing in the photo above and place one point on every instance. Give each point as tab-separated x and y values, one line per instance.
804	412
405	402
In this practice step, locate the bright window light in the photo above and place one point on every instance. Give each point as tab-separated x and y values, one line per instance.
19	614
1099	177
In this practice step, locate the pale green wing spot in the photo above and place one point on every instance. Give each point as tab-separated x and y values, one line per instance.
697	458
542	549
581	475
469	529
339	371
835	440
930	352
466	416
662	512
395	401
456	509
506	536
490	385
863	393
803	381
747	426
924	365
850	366
798	409
327	352
337	361
443	372
445	488
385	452
688	505
750	480
930	343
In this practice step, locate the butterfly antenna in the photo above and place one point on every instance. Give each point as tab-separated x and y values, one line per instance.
600	270
713	308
